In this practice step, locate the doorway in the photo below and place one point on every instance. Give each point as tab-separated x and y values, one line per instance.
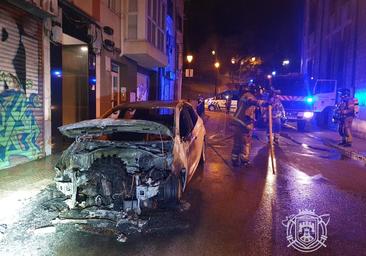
116	86
69	87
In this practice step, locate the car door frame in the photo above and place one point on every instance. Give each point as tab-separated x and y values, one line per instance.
198	135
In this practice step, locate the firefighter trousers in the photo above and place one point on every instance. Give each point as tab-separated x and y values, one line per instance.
345	129
242	144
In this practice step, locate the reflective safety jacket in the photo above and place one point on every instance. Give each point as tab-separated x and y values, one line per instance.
245	113
348	107
278	111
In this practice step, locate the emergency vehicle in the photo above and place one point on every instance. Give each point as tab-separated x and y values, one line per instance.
218	103
307	101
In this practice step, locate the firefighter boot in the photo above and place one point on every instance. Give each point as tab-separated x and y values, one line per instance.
244	158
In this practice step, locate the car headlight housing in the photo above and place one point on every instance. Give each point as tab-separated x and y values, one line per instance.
308	115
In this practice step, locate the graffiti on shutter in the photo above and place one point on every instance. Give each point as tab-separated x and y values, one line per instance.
21	105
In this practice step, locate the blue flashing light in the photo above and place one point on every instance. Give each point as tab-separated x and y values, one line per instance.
274	73
309	100
251	80
93	80
57	73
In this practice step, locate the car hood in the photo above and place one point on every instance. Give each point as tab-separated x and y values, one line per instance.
97	127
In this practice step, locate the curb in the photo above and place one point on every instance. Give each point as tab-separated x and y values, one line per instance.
348	152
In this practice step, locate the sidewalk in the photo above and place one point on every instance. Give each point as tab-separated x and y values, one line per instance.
331	138
21	183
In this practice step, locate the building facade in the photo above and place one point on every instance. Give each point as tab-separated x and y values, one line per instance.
25	118
334	47
64	61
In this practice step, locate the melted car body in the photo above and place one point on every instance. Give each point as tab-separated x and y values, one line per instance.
126	162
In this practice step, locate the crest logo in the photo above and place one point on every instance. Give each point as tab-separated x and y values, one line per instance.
306	231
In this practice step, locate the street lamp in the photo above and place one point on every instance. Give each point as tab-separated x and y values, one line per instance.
213	52
189	58
217	65
233	60
253	59
285	62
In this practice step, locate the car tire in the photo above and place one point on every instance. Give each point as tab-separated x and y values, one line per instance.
211	108
171	192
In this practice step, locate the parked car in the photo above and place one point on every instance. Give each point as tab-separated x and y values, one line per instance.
218	103
137	156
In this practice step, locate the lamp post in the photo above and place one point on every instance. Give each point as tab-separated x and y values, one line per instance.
189	58
217	67
189	70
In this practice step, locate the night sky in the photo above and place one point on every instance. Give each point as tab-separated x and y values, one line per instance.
270	29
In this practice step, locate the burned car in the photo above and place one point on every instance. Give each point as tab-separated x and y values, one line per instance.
138	156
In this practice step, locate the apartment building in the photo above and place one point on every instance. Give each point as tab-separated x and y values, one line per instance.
69	60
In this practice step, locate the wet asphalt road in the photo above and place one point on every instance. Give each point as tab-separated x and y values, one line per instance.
239	211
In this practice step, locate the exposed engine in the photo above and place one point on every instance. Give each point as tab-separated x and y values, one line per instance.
115	176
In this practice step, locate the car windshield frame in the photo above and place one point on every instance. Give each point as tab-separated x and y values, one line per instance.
125	109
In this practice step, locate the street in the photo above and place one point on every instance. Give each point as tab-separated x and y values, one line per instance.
228	211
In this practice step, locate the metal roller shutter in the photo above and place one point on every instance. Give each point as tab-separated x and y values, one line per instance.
21	87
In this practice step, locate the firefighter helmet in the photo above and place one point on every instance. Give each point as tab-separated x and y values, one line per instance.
344	92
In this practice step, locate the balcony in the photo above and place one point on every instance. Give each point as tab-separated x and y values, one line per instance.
145	54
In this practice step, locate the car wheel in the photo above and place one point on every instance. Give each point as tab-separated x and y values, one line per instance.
211	108
172	191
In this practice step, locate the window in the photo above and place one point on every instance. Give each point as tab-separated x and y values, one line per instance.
132	26
185	123
325	87
192	114
155	9
132	6
132	19
161	115
115	6
156	23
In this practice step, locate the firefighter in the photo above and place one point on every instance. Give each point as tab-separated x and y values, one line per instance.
346	110
278	114
243	122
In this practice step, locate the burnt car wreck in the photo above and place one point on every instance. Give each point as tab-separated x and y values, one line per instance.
138	158
106	176
116	175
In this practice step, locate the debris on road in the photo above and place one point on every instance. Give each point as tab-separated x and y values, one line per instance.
43	230
3	228
122	238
